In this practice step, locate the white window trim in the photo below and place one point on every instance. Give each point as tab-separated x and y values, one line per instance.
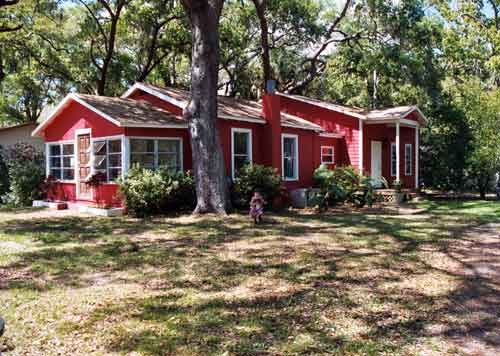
411	159
393	145
129	149
249	147
332	155
92	156
47	158
296	170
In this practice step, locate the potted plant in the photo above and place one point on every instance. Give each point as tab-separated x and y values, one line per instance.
95	181
397	185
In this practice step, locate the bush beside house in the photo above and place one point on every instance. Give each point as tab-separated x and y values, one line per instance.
255	177
24	173
146	192
343	185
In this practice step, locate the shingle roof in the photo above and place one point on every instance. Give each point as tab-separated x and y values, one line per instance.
397	112
229	107
132	113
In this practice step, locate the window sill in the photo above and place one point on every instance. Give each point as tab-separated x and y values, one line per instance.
290	179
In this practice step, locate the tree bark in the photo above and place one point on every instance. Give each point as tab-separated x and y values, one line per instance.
201	112
260	6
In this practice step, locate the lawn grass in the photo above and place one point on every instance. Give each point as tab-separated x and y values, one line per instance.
300	284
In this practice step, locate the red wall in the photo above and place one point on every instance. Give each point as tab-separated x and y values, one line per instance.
331	121
387	135
75	117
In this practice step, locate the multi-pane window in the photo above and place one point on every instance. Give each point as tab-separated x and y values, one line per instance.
108	158
408	159
142	153
327	155
241	149
290	156
169	154
393	160
62	161
156	153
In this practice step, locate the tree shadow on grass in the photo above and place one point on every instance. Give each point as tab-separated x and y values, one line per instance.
278	288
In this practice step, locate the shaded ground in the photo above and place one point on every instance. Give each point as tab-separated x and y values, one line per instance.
341	283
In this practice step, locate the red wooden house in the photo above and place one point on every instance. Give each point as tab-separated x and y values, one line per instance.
87	134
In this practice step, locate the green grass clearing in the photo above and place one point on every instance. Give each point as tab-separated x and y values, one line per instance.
301	284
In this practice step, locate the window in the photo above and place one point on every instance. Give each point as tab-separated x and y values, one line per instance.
327	155
156	153
290	154
393	160
108	158
62	161
241	149
408	159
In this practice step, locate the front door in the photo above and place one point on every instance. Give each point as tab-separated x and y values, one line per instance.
84	190
376	172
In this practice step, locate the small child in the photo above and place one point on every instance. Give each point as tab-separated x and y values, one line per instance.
257	207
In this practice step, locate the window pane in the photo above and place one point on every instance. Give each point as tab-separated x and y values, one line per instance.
289	146
327	151
393	160
115	160
68	174
100	147
68	149
143	160
114	173
168	160
55	162
170	146
289	168
115	146
137	145
68	162
239	162
100	162
55	150
241	143
56	173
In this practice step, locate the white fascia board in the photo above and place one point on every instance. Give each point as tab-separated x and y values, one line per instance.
245	119
144	88
420	113
303	127
331	135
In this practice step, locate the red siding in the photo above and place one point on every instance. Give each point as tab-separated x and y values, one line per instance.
331	121
77	116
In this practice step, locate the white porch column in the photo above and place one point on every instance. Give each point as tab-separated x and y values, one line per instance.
417	155
360	146
125	154
398	176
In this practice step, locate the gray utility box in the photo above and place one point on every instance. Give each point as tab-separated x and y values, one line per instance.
302	198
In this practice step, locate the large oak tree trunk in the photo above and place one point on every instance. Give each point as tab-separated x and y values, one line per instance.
201	112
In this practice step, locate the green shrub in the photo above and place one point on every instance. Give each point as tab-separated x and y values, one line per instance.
147	192
343	185
26	174
254	177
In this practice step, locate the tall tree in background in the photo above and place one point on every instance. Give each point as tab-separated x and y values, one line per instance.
201	112
103	21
